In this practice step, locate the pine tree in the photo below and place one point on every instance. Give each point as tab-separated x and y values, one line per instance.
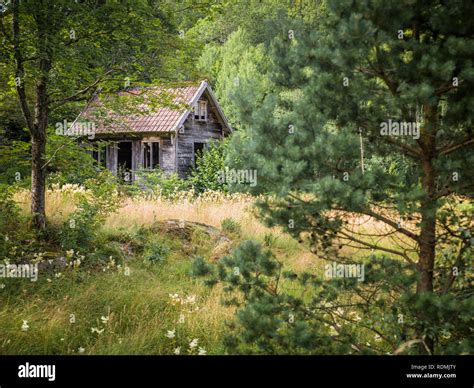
370	114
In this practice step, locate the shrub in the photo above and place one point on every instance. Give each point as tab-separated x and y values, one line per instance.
231	226
9	219
68	161
209	165
155	252
158	183
95	204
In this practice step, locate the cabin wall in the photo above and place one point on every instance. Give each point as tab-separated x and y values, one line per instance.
111	158
195	131
168	155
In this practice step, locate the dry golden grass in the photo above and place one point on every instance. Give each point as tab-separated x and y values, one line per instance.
146	212
59	203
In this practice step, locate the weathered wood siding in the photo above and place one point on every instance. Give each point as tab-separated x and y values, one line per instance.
111	158
167	155
195	131
137	156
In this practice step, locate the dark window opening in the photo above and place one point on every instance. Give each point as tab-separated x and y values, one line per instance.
151	155
124	161
198	150
155	152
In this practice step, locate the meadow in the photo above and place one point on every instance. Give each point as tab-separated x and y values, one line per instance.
143	300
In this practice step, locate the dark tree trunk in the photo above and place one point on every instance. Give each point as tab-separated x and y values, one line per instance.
38	180
39	123
427	239
38	143
428	210
38	149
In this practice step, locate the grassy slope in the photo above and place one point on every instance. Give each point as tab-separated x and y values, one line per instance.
139	308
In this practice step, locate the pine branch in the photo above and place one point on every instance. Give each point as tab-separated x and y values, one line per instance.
449	149
376	247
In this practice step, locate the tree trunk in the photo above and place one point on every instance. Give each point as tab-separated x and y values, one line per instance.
427	239
38	181
38	125
428	210
38	149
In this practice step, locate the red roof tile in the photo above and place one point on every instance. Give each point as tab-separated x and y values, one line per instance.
160	120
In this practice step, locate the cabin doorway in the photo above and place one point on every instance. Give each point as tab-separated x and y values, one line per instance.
198	150
124	161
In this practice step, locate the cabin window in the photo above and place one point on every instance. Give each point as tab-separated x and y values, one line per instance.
151	154
200	111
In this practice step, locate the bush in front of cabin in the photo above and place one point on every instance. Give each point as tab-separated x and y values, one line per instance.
209	168
157	183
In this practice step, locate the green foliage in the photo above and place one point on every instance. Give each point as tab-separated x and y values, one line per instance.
156	252
314	135
240	74
68	161
231	226
209	168
9	220
200	267
158	183
80	231
15	164
283	312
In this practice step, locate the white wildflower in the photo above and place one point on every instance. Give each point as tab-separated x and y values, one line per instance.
194	343
25	326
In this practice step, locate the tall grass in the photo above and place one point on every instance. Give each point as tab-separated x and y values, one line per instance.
107	312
